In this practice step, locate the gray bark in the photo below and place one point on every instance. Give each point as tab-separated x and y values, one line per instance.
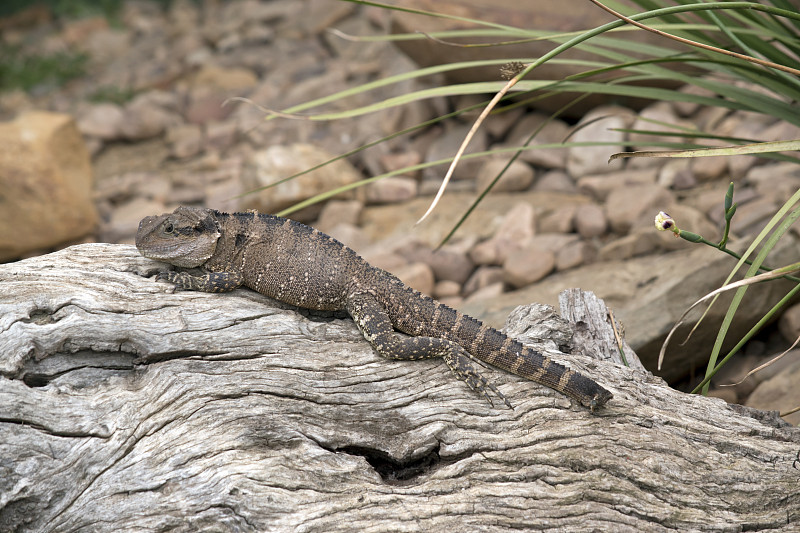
127	407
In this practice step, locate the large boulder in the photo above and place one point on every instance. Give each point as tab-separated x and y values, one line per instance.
45	184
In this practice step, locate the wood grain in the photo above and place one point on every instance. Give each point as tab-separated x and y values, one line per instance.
127	407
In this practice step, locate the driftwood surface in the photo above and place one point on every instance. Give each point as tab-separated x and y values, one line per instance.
125	406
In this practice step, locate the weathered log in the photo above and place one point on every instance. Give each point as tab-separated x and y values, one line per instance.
127	407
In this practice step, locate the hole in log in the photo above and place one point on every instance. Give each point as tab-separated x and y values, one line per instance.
391	470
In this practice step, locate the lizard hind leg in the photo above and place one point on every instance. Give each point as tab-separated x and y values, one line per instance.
376	326
463	366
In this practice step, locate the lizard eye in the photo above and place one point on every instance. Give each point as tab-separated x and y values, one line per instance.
169	228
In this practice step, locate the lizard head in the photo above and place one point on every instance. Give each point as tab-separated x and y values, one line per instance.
187	237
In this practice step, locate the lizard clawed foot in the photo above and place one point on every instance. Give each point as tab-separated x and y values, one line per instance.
461	363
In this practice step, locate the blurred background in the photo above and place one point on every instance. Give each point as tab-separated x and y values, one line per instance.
115	110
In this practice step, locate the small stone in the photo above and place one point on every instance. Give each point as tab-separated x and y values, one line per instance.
600	126
206	105
449	264
555	131
350	235
559	220
778	181
789	323
727	393
486	293
633	245
418	276
555	181
265	167
575	254
125	220
590	221
656	118
752	216
446	145
483	277
518	176
676	171
233	79
146	117
516	228
709	168
396	161
446	288
600	186
627	205
391	190
220	135
527	265
686	109
780	393
185	140
103	121
337	211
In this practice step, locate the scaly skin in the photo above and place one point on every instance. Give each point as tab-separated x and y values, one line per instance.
299	265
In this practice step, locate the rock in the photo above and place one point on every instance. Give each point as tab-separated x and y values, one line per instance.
686	109
559	220
752	216
350	235
206	105
527	265
233	79
598	126
656	118
483	277
789	323
220	135
185	140
778	181
779	393
103	121
418	276
518	176
390	190
46	183
146	116
709	168
275	163
336	211
125	219
590	221
446	289
517	228
559	16
575	254
635	244
553	133
648	294
397	221
445	146
447	263
625	207
396	161
600	186
555	180
675	174
485	293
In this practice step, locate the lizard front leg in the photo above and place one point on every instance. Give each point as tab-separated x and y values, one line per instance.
208	282
374	323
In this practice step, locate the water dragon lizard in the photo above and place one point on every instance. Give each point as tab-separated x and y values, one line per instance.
302	266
